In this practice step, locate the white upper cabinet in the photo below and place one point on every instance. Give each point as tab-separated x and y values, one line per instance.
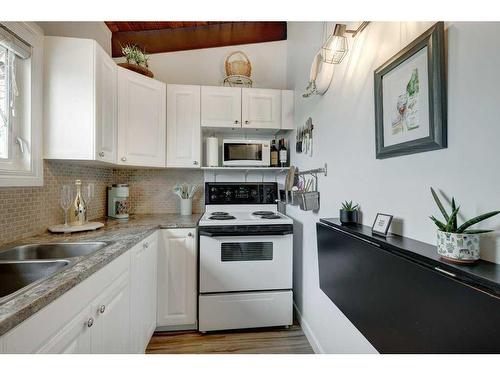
261	108
287	109
106	107
141	120
79	100
183	126
220	107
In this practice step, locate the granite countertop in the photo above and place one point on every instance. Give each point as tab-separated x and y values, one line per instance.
122	235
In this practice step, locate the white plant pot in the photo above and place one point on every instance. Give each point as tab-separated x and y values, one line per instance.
186	206
458	247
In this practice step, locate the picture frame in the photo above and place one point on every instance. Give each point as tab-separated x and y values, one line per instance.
381	224
410	98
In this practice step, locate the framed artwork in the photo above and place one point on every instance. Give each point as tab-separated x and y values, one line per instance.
410	98
381	224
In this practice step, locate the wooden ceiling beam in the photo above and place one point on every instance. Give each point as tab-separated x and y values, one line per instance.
206	36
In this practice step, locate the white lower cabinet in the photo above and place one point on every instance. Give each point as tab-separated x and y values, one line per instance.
143	293
177	278
113	311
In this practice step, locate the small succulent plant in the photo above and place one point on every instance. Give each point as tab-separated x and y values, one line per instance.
134	54
348	206
450	225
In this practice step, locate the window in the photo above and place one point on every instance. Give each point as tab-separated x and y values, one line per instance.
20	104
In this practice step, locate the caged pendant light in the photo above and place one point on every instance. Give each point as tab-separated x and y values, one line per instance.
336	47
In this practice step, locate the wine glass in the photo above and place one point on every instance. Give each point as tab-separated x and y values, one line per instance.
88	195
65	201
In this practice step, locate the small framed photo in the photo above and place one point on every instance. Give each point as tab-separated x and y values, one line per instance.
381	224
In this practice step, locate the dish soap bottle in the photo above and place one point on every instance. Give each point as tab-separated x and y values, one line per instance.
79	208
283	154
274	154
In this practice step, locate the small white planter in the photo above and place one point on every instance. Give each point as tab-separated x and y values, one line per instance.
186	206
458	247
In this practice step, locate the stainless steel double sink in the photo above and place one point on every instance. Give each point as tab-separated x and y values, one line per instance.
25	265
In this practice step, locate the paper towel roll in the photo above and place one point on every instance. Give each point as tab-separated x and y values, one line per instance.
212	152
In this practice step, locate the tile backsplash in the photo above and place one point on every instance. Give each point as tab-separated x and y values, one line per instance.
27	211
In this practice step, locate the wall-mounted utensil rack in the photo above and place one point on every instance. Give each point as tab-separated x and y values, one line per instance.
308	197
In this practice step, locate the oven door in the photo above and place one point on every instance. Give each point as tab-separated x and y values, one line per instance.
238	153
245	263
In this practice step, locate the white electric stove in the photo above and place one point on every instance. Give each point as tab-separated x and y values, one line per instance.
246	252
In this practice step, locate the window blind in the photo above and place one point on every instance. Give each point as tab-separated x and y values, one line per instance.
14	44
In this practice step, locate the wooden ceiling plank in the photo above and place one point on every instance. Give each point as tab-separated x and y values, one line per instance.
207	36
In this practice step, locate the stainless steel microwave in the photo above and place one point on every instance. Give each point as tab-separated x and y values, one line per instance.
246	153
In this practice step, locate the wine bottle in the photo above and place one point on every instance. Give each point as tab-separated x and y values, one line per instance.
283	154
79	208
274	154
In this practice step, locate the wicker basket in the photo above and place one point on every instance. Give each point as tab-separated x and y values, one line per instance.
239	66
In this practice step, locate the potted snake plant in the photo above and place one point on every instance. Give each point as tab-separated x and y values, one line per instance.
458	243
349	213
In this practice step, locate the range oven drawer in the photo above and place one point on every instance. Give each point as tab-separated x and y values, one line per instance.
245	310
245	263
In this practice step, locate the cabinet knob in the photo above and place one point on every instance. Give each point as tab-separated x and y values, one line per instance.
124	158
145	245
195	162
247	122
90	322
190	234
101	154
102	309
236	122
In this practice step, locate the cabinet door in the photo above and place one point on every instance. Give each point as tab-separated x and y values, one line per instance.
143	293
287	109
221	107
177	277
111	333
183	126
141	120
261	108
105	81
73	338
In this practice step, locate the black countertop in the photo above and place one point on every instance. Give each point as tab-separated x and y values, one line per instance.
483	274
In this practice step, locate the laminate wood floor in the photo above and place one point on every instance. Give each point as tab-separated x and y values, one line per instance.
255	341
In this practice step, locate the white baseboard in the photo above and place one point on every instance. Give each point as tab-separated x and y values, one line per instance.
308	332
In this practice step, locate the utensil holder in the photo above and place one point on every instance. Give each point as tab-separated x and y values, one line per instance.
309	201
186	207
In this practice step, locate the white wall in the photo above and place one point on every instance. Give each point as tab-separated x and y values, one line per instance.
90	30
206	66
344	137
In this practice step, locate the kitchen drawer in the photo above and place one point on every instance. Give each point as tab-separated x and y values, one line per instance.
245	310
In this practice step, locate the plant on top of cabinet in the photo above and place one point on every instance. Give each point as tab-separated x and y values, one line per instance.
349	213
458	243
137	60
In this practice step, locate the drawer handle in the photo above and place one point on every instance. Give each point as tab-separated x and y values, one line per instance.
247	122
236	122
190	234
195	162
445	272
101	154
90	322
102	309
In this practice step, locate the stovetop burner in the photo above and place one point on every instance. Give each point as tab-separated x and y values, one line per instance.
272	216
262	213
219	213
222	217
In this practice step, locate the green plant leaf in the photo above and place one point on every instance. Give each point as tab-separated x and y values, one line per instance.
438	223
478	231
453	207
451	220
439	204
476	220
